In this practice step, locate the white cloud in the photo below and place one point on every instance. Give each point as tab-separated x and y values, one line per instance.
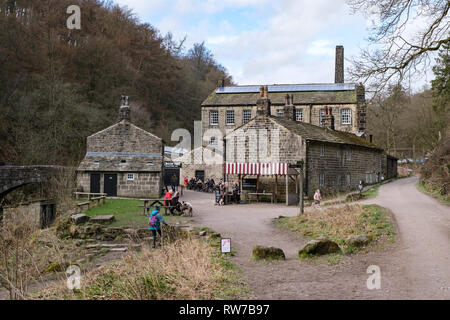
283	41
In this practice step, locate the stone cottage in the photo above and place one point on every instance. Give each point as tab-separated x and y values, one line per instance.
123	160
332	160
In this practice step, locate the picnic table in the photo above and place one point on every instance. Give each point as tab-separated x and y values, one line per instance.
257	194
155	202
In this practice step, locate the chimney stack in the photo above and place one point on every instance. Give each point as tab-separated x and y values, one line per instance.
288	112
339	66
263	103
328	119
125	111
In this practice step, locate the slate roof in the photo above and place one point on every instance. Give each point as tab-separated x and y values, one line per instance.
315	133
327	93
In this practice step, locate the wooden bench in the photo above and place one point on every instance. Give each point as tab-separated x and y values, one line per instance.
99	199
82	204
260	194
89	194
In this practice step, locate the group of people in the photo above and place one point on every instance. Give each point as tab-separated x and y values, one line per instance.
221	192
172	200
197	184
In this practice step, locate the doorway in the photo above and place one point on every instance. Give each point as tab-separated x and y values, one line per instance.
95	183
111	185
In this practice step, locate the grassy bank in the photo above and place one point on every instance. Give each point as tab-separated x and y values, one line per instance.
342	223
437	193
128	213
187	269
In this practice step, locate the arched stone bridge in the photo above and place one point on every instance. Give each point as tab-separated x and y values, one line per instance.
13	177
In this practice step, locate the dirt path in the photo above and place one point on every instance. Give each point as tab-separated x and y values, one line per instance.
417	266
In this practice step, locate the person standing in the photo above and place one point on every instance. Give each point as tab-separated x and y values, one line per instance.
167	197
317	197
155	225
236	192
173	182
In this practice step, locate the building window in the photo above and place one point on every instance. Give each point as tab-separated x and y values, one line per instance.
322	151
348	155
346	116
213	141
349	180
123	162
246	116
214	117
130	176
280	112
321	114
322	179
299	115
230	117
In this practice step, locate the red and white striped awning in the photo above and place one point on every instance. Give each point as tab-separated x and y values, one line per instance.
263	169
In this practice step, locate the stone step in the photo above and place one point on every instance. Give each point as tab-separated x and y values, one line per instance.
112	245
118	250
107	219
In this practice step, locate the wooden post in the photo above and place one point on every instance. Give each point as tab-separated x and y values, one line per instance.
276	188
300	180
287	189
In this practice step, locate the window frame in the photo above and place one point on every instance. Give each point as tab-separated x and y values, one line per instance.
216	117
280	113
227	113
130	175
321	114
248	113
348	116
321	179
297	112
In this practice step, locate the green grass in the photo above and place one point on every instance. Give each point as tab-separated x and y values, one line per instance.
128	213
342	223
434	192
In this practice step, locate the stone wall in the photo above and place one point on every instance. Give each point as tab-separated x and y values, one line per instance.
290	149
124	137
340	172
145	184
311	114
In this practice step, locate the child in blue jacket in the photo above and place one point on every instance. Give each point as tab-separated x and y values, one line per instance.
155	224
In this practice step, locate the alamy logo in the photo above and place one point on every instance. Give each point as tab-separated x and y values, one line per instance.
74	20
374	281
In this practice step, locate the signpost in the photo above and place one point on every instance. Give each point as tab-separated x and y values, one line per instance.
226	245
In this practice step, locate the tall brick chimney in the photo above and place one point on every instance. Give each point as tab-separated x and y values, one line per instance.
125	111
339	66
263	103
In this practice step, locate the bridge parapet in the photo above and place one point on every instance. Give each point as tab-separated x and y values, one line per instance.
12	177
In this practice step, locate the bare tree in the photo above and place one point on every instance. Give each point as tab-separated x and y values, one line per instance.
403	35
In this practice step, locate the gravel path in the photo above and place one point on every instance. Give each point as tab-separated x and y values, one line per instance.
417	266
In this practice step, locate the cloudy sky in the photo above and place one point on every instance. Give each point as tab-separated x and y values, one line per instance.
262	41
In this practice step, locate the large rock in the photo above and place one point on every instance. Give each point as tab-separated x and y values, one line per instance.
319	247
80	218
270	253
359	241
103	219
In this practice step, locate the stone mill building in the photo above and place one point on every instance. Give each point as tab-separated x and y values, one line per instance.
321	127
122	160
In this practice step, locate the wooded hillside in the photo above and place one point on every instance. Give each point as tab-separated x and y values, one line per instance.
57	86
